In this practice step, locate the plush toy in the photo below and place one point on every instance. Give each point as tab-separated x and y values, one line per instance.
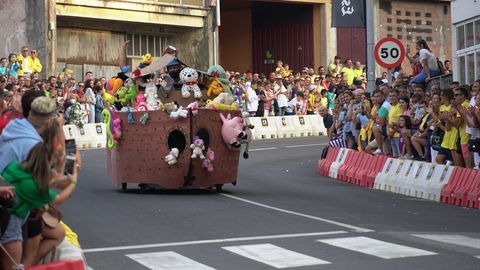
218	72
146	60
171	158
236	132
166	85
224	101
153	102
180	112
207	162
189	77
130	118
107	119
144	118
198	147
215	88
117	129
194	106
141	104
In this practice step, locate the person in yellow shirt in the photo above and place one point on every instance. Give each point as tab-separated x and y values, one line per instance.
358	71
450	136
348	71
334	68
461	100
34	63
392	126
23	59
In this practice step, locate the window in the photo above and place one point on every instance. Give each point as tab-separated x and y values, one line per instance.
417	14
399	12
445	9
478	66
389	20
399	29
461	68
418	22
389	28
470	68
408	13
389	35
419	37
409	37
469	34
399	37
429	39
428	23
460	37
143	44
477	32
428	15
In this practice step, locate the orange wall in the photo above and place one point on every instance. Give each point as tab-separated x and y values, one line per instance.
235	40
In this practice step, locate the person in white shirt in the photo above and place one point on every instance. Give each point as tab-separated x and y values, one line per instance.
251	100
429	63
280	92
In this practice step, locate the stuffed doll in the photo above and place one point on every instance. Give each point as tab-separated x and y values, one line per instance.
146	60
153	102
207	162
180	112
224	101
198	147
171	158
195	105
189	77
141	104
144	118
236	132
214	89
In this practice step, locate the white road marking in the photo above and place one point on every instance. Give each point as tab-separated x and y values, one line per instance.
352	227
305	145
275	256
198	242
478	256
167	260
262	149
455	239
376	247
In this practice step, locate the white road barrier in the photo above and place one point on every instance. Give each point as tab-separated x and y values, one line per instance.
303	127
89	136
318	128
285	127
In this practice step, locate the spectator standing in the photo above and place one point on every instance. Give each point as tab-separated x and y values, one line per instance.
23	58
334	68
89	97
450	137
280	92
13	66
3	66
98	90
34	64
462	103
347	70
251	105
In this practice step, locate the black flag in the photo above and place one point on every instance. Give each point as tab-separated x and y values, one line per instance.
348	13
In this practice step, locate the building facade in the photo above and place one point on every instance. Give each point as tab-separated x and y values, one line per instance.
88	35
466	40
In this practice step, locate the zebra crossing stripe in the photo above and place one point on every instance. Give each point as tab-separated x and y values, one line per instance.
455	239
376	247
167	260
275	256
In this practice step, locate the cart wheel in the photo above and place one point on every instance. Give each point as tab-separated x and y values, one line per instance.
143	188
124	187
218	188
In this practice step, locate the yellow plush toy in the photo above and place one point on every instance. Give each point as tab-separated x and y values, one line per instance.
215	88
223	101
146	60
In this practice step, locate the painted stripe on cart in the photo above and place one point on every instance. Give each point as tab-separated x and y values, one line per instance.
348	226
212	241
167	260
305	145
455	239
275	256
374	247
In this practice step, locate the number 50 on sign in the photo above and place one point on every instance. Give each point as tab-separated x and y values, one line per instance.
389	52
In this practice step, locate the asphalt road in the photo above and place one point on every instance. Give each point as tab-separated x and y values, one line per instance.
280	215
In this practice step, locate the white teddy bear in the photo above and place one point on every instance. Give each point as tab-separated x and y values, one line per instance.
198	147
189	78
180	112
171	158
153	102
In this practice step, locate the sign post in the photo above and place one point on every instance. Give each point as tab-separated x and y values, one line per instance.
389	53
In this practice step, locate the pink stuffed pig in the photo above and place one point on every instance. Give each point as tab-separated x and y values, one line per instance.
235	132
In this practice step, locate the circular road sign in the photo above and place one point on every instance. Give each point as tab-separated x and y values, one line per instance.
389	52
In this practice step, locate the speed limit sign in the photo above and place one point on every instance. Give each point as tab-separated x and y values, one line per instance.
389	52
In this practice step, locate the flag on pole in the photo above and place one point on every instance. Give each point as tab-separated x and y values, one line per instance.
348	13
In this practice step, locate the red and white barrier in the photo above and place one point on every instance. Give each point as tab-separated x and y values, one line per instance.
436	182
